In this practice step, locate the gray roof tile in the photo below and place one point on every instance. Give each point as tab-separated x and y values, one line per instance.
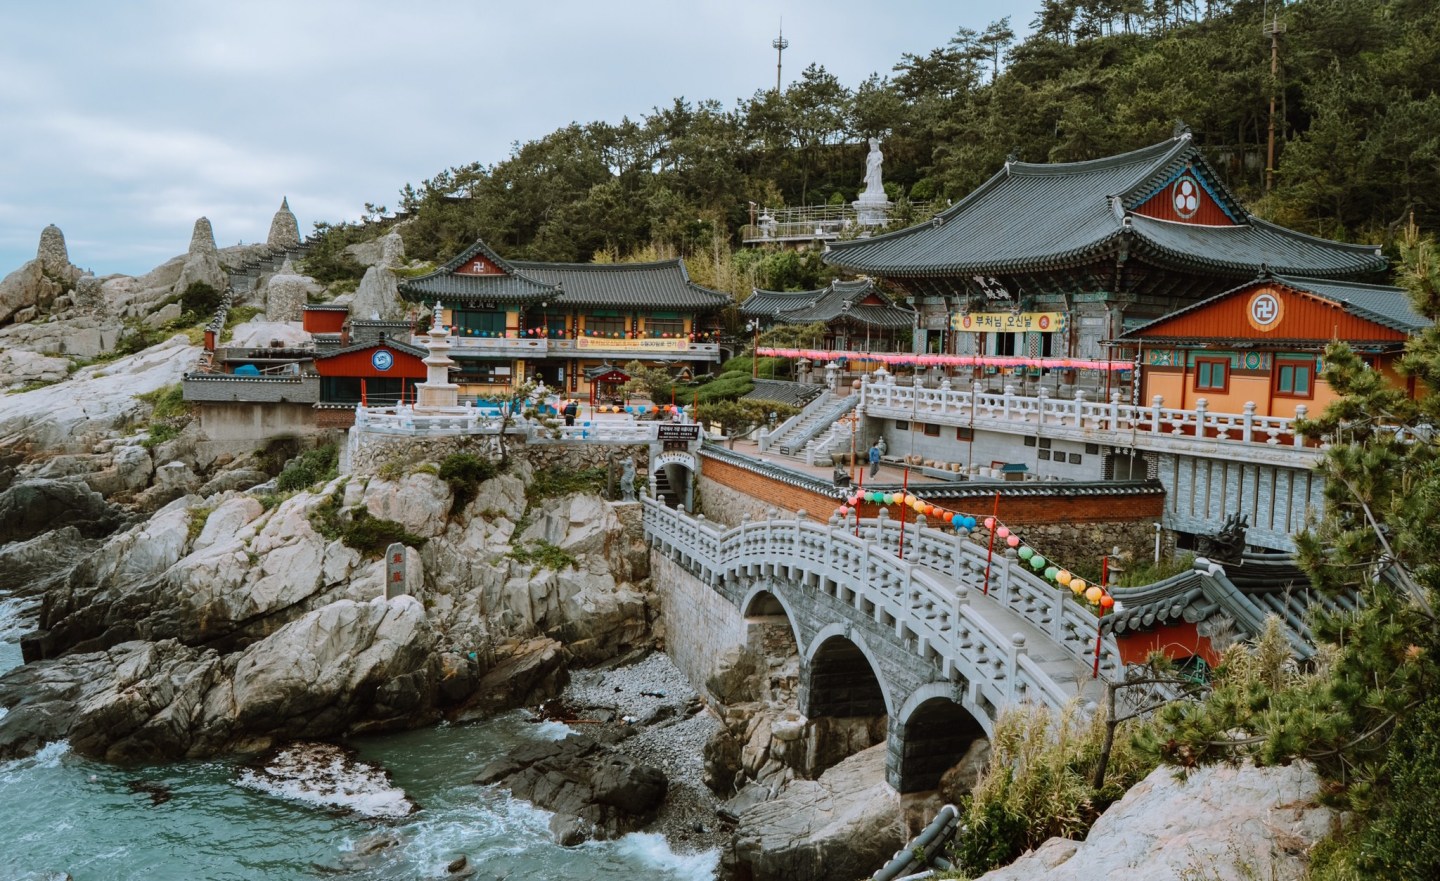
1050	216
838	300
661	285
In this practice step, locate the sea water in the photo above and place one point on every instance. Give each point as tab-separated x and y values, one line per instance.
60	812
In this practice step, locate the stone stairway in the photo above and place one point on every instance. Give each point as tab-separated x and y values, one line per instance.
663	490
828	409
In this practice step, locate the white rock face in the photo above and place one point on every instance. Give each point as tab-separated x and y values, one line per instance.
285	294
18	367
1222	823
379	292
96	399
83	336
262	333
420	502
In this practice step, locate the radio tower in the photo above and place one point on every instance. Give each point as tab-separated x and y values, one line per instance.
780	44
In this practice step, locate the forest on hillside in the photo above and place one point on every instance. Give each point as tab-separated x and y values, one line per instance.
1357	129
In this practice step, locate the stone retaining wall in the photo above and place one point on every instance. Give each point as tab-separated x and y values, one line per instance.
700	624
370	452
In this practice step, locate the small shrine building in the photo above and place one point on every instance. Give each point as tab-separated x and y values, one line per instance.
856	315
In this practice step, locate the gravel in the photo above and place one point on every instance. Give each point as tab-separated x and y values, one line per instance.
671	736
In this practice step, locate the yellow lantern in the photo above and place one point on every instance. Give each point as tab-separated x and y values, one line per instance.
1094	594
1077	585
1062	578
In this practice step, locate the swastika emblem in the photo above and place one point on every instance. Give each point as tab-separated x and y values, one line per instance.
1264	311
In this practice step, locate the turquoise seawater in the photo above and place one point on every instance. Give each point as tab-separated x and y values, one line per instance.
63	813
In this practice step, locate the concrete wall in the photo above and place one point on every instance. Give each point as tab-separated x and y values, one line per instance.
257	389
256	422
990	447
1277	500
701	625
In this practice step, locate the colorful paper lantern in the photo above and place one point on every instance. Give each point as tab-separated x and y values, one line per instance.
1093	594
1027	552
989	522
1107	601
1063	578
889	498
1003	532
1051	572
1078	585
1013	541
1038	562
969	522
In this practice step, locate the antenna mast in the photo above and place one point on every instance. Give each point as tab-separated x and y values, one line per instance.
1272	29
779	44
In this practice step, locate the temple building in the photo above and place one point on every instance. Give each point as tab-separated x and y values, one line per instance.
567	324
1262	344
856	315
1050	260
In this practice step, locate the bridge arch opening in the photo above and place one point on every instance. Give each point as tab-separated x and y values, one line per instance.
672	477
845	700
933	739
770	633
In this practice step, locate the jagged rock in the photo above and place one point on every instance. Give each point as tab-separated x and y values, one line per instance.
234	479
202	261
19	367
593	791
418	501
343	668
378	295
24	289
519	672
81	336
31	507
162	316
843	825
284	228
29	566
960	779
1223	822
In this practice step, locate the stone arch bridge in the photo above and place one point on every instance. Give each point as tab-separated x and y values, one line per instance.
915	639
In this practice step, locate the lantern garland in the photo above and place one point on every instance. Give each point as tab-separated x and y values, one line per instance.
1094	594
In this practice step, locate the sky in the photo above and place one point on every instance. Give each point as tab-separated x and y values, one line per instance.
122	123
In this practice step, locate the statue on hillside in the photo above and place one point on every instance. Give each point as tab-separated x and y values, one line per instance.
627	480
873	184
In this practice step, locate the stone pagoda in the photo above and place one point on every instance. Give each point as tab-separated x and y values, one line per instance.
437	394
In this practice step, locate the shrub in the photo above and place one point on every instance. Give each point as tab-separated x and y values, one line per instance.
169	414
465	472
549	484
319	465
199	301
543	555
368	534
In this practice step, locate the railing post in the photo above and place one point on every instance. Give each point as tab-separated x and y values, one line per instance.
1202	407
1017	649
1296	438
1006	401
1005	570
1247	422
1155	405
1042	397
1115	410
1079	408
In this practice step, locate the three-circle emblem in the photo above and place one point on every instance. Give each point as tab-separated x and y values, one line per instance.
1185	196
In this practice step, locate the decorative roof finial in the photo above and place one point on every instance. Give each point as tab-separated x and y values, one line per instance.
1180	130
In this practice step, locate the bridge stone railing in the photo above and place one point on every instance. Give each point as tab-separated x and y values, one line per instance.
941	617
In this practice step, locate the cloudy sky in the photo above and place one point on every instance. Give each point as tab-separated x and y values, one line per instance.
122	122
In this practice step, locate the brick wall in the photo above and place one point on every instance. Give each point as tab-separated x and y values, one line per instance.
1067	527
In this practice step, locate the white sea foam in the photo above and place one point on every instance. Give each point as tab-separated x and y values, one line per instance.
552	730
325	775
652	850
48	756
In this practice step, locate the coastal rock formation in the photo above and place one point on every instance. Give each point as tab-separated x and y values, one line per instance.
29	508
378	295
37	283
843	825
593	791
1219	822
202	261
284	228
78	413
342	668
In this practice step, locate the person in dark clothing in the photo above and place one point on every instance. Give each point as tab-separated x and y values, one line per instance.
571	410
874	459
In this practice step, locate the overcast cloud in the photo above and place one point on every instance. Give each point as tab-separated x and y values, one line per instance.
122	122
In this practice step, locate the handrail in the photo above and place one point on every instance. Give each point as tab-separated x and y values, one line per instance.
825	420
940	615
768	438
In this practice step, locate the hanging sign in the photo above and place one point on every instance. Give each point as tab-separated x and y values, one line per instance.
1009	322
642	345
677	431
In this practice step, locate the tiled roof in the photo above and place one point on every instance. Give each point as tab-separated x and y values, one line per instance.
388	343
795	394
661	285
1051	216
839	300
1386	306
1382	304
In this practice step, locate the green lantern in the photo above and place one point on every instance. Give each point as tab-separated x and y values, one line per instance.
1051	572
1027	552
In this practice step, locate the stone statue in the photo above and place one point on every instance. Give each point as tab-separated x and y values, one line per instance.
627	481
873	185
1228	545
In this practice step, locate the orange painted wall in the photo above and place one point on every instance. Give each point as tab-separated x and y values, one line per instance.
1177	640
1161	206
1304	318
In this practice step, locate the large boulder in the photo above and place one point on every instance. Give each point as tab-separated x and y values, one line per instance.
1221	822
37	283
846	824
284	228
29	508
285	294
594	792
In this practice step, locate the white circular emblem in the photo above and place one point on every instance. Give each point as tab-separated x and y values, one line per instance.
1186	197
382	360
1264	310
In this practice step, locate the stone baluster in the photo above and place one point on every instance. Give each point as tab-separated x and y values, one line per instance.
1301	411
1042	398
1007	402
1156	404
1079	408
1202	408
1114	416
1007	566
1247	422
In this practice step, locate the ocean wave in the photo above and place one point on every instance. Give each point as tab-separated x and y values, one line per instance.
325	775
653	851
48	756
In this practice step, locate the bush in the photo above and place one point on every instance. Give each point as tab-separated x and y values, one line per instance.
198	302
1404	840
465	472
364	532
543	555
169	414
549	484
319	465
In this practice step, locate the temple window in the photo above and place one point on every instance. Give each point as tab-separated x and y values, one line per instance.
1212	374
1295	378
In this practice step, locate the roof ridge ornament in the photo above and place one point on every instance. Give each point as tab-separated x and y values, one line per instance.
1181	130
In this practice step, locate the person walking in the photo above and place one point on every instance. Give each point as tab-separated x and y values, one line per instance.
874	459
571	410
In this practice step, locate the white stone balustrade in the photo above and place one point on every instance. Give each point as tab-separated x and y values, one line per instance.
1022	642
1153	427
